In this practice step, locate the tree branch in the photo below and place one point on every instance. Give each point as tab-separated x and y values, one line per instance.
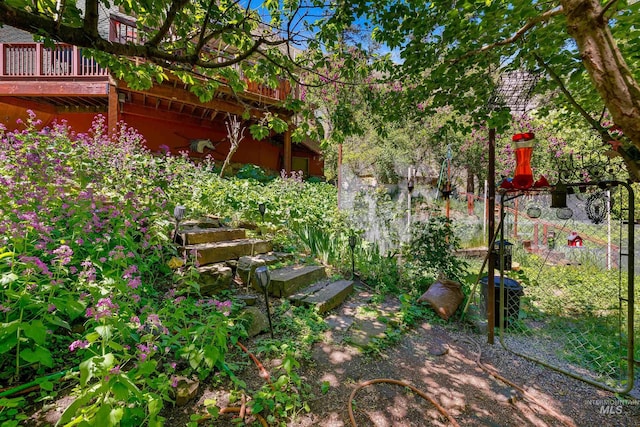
632	166
544	17
606	7
594	124
202	39
176	6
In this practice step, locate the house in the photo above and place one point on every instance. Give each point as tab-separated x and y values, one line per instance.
574	240
61	83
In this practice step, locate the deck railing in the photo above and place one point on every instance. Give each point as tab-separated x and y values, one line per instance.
28	60
34	60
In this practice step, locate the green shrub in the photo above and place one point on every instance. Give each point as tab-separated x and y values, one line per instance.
430	253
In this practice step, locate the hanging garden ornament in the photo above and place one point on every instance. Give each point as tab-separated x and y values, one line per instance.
596	207
564	213
542	182
523	178
534	212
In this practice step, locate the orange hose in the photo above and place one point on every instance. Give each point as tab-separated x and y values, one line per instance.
263	371
525	394
403	384
234	410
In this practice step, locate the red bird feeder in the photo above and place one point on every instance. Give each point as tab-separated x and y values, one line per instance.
523	178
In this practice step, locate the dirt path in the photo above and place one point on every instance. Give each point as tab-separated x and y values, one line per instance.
441	361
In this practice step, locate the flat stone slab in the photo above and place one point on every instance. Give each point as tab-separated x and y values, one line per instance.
209	253
325	296
288	280
363	331
339	323
196	236
209	222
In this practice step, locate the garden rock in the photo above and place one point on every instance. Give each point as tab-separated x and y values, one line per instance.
256	320
214	278
247	267
185	390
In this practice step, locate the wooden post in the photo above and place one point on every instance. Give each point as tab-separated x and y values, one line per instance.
287	151
491	209
76	61
535	235
114	109
39	58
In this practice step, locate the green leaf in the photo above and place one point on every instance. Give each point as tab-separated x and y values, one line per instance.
115	416
104	331
120	391
86	371
8	336
36	331
154	405
37	355
55	320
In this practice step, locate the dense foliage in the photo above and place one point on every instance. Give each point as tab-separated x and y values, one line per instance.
85	282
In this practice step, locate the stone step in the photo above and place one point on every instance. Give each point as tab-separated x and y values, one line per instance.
325	296
288	280
209	253
197	235
208	222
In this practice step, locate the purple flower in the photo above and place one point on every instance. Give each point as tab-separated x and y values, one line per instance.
104	308
78	344
51	308
63	254
134	283
174	381
129	272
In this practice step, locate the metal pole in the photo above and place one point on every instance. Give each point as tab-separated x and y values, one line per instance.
266	301
408	210
608	229
485	216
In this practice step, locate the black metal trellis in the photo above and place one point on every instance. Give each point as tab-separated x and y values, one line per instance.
550	336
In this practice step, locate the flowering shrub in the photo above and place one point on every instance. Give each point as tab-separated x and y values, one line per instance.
83	275
85	282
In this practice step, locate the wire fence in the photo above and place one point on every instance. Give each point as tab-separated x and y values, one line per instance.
566	298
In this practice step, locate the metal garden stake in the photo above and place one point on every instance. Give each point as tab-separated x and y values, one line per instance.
352	245
264	279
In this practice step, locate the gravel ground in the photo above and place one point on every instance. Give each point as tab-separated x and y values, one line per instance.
441	361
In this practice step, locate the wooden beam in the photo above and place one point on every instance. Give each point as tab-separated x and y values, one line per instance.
53	88
169	116
29	105
168	92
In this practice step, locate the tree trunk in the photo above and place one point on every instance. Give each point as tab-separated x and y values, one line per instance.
603	61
